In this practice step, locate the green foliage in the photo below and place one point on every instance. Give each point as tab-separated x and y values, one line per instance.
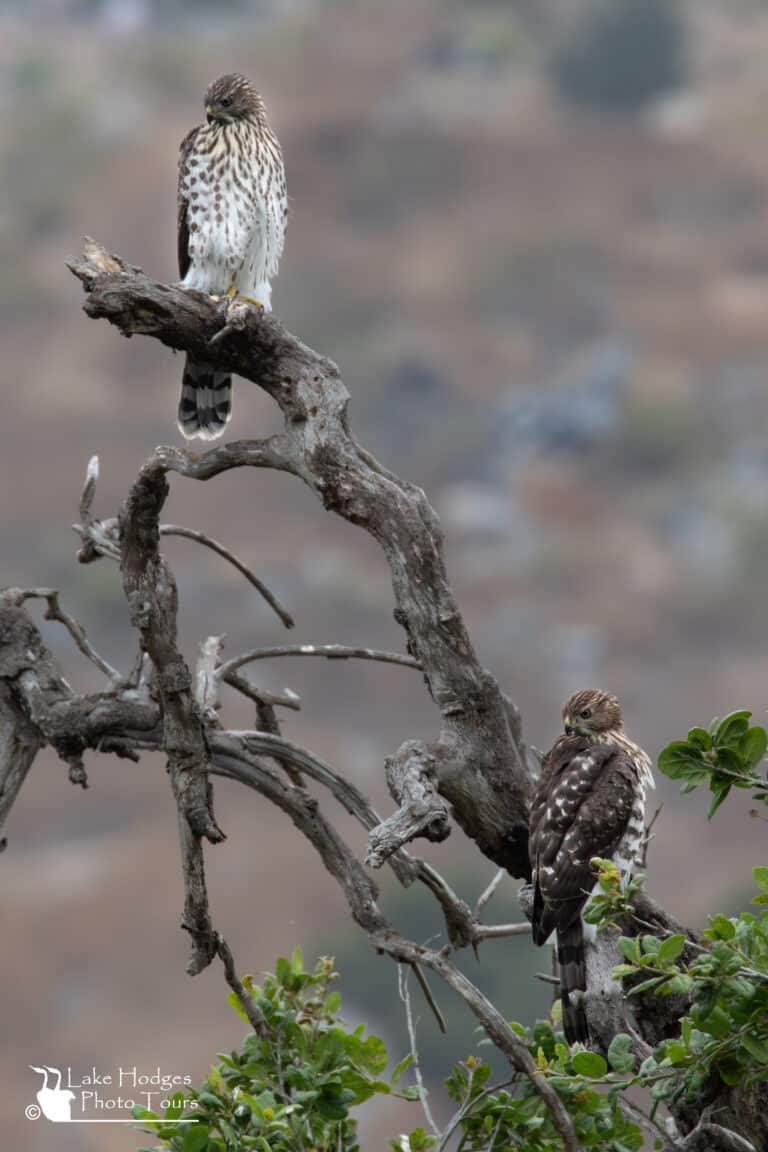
726	755
622	55
724	1018
291	1090
724	1033
507	1116
611	901
726	1028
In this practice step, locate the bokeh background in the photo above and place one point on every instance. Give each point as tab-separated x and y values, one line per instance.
534	235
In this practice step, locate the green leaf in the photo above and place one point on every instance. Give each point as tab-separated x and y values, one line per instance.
143	1113
369	1054
195	1138
721	928
648	986
209	1100
680	758
680	984
234	1001
419	1141
728	758
753	745
755	1046
719	796
544	1037
732	728
629	946
676	1052
716	1023
333	1003
283	971
761	877
701	738
730	1070
670	949
589	1064
620	1055
694	778
297	962
401	1067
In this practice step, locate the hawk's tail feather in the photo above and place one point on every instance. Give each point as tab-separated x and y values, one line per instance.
205	405
573	981
540	928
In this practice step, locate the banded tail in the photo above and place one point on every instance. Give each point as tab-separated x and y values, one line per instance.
573	981
205	405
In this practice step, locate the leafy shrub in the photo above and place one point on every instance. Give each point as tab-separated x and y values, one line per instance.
725	755
291	1089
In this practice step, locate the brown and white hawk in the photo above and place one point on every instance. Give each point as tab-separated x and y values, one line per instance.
590	801
232	209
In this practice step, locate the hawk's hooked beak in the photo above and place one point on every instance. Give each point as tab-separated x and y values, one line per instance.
210	113
569	728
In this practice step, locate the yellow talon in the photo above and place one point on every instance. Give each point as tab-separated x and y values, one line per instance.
233	294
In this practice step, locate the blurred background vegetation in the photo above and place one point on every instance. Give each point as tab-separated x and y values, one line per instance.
534	235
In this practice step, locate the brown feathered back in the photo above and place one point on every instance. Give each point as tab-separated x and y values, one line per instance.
589	802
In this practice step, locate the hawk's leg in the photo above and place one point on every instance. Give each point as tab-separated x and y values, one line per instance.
233	294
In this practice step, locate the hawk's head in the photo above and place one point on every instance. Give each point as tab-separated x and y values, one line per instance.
232	97
592	713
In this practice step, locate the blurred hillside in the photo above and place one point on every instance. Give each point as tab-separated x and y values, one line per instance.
553	318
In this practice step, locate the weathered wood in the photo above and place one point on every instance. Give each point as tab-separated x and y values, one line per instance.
482	768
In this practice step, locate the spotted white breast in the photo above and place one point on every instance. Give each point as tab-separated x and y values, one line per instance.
232	182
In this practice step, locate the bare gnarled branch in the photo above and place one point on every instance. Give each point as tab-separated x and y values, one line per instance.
329	651
482	767
54	611
236	562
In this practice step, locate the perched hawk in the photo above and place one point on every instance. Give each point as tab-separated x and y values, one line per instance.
232	212
590	801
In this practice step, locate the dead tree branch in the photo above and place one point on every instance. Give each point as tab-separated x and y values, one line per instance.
329	651
54	611
236	562
412	782
151	593
250	1007
241	684
478	764
20	741
102	538
481	768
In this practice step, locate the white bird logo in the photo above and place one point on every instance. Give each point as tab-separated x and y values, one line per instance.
55	1103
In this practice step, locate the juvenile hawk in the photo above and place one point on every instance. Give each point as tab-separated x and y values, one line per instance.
590	801
231	224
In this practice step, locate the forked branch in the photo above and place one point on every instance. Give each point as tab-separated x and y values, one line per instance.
480	763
